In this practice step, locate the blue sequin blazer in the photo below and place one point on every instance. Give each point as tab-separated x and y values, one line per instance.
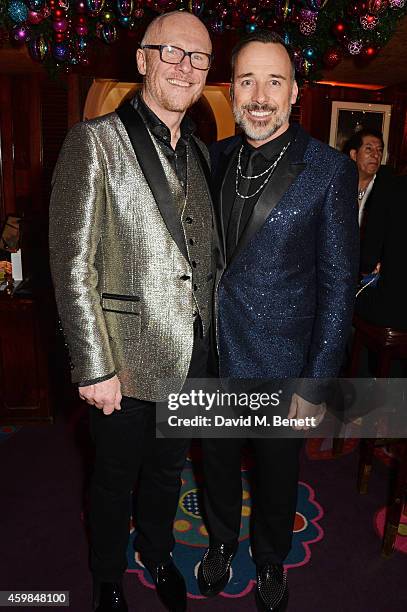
285	300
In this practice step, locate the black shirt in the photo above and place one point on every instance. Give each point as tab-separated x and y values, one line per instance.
254	160
162	135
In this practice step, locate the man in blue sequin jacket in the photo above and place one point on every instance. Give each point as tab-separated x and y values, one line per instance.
288	219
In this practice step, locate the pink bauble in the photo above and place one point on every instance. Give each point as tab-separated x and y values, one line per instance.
81	29
21	33
34	17
308	15
355	47
368	22
61	25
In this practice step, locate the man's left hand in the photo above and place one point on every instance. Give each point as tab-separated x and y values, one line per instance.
300	408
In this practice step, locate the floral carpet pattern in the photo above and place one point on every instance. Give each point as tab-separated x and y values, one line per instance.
192	538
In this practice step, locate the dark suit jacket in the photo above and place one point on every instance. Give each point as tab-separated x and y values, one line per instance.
285	301
385	241
376	205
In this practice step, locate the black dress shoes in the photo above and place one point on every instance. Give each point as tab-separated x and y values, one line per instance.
170	586
111	598
214	569
272	588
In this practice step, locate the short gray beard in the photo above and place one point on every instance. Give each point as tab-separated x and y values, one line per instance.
270	127
165	100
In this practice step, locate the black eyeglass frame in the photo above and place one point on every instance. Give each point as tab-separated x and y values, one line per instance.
160	48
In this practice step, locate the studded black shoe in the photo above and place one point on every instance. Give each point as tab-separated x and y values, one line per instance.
214	569
111	598
272	588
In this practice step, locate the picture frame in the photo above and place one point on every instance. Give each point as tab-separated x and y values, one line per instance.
350	117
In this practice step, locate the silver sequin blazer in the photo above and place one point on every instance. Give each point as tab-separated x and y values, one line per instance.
125	289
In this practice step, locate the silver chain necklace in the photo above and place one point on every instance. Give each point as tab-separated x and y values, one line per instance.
269	171
361	193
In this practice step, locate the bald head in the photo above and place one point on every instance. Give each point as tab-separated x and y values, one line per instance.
170	88
158	27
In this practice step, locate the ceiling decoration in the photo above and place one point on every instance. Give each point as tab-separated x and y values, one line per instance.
59	33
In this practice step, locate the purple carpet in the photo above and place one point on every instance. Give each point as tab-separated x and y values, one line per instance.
335	563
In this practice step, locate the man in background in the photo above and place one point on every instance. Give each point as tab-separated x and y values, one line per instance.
366	147
131	241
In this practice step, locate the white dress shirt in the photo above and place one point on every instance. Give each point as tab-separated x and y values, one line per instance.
363	201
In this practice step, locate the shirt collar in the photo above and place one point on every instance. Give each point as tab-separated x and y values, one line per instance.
158	127
272	148
362	202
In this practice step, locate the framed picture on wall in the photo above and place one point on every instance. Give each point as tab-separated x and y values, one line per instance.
350	117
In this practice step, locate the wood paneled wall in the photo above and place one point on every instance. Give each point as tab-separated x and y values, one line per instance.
36	112
33	123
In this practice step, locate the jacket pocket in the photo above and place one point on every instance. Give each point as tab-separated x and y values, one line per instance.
118	297
122	315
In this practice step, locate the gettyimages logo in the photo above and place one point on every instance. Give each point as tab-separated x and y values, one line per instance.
220	399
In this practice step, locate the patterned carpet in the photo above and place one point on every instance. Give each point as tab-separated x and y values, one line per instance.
335	563
192	538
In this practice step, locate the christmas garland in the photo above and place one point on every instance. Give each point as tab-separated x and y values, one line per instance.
58	33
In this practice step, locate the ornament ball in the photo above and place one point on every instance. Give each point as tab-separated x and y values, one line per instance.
21	33
35	18
17	11
35	5
332	57
309	53
339	28
61	25
60	51
38	48
81	29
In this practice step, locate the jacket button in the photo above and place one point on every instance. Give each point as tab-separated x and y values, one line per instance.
191	241
193	264
195	287
185	277
188	220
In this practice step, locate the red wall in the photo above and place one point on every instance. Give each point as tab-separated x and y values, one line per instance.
36	112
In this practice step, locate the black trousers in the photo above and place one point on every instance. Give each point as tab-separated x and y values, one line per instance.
129	457
274	494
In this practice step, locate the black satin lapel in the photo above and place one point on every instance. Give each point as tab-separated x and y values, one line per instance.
283	177
225	164
152	169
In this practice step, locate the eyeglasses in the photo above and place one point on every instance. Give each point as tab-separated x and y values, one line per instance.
175	55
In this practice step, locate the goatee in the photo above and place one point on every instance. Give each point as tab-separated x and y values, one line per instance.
260	130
